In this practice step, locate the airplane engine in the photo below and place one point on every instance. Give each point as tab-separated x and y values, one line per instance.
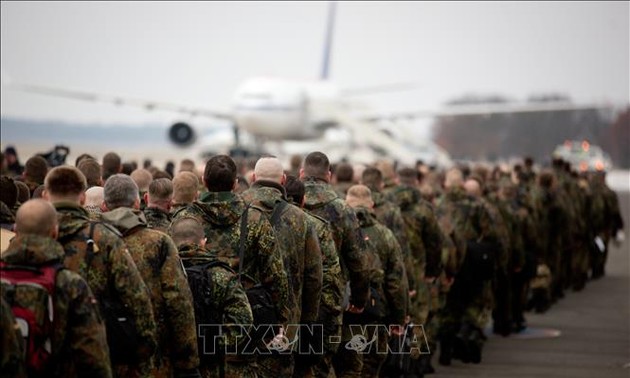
182	134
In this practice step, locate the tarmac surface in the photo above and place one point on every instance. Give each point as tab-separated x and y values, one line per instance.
594	327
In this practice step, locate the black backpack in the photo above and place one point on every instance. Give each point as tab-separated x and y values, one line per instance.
206	311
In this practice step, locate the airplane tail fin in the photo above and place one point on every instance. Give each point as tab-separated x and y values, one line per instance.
328	41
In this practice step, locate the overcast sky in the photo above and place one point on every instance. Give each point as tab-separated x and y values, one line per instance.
198	53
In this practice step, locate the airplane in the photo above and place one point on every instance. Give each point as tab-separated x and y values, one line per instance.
289	116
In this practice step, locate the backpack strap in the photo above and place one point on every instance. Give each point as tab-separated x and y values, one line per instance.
241	242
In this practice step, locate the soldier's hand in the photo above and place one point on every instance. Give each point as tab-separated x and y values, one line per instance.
429	280
412	293
396	330
354	309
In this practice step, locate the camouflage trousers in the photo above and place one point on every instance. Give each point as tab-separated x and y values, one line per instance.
275	365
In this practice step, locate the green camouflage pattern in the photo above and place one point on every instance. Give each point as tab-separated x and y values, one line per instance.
220	213
157	218
321	200
390	279
157	259
229	296
112	272
78	340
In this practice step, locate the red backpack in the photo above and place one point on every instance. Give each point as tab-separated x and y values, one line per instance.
30	290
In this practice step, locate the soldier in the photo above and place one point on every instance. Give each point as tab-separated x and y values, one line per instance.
468	220
112	164
78	340
91	169
321	199
142	178
34	173
226	295
14	167
223	215
330	312
186	165
386	212
157	260
105	262
24	194
185	190
300	247
610	223
342	178
158	200
387	276
423	263
498	289
8	199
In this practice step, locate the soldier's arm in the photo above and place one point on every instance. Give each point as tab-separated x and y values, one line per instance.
85	328
395	285
312	285
133	292
178	308
354	258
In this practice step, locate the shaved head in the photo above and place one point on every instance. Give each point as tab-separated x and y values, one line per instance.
359	196
472	187
94	196
270	169
37	217
186	230
142	178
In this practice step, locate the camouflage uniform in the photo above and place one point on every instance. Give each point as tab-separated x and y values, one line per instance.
321	199
220	213
157	260
389	279
12	362
468	220
605	210
229	297
157	218
302	259
112	272
425	245
78	340
330	311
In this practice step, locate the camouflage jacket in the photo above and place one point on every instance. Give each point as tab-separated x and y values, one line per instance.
514	217
227	295
391	278
220	213
12	363
502	228
157	218
422	230
321	200
78	340
464	219
388	214
112	272
300	248
159	264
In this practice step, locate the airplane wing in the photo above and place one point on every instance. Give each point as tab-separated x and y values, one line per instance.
484	109
117	100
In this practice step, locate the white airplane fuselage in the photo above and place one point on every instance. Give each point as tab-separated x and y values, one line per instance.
281	109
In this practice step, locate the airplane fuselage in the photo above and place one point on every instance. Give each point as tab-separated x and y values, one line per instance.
280	109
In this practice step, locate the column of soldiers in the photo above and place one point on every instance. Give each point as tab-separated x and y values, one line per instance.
352	267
